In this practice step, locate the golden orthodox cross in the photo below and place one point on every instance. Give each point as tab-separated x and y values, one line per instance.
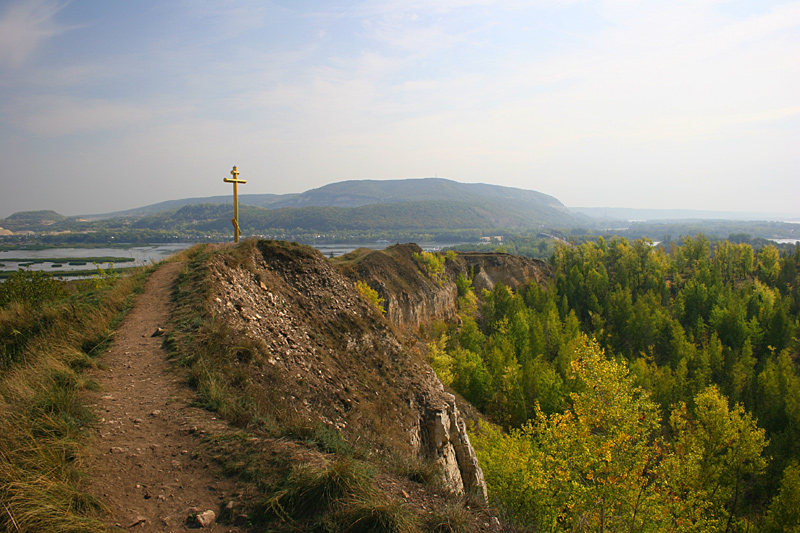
236	181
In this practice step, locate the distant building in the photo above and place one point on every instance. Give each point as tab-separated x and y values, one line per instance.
496	238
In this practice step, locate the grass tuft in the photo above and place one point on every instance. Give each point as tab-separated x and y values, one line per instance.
376	513
453	518
311	490
326	438
415	469
338	496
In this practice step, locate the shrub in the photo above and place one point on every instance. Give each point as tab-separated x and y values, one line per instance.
371	295
32	288
432	264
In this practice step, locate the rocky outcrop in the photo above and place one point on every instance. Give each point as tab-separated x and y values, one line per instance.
445	441
489	269
310	347
413	298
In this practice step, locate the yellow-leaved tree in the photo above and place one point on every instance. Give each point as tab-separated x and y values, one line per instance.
604	464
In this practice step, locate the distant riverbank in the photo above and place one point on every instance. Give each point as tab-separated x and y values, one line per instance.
70	260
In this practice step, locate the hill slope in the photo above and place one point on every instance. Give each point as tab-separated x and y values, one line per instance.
285	346
517	206
261	200
25	220
420	216
354	193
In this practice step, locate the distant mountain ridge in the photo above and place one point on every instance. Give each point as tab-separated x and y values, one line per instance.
355	193
627	214
353	204
356	205
260	200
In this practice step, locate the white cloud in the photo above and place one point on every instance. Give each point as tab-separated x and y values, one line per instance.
24	25
58	116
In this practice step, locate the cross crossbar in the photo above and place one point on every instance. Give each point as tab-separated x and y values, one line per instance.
236	181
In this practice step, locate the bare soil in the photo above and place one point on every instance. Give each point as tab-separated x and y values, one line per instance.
149	463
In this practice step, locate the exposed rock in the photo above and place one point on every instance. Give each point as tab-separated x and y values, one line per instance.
448	444
413	298
482	282
492	268
206	518
138	521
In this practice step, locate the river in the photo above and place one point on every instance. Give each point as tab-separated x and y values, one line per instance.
148	254
141	255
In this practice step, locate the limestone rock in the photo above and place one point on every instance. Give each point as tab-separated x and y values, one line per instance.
206	518
449	446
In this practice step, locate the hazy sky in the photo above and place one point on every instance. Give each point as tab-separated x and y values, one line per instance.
108	105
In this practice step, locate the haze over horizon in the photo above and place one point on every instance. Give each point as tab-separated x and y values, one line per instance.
106	106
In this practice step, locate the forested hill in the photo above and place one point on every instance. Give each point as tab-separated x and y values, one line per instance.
26	219
424	206
261	200
418	216
355	193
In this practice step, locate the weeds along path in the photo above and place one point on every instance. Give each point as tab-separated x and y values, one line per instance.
148	464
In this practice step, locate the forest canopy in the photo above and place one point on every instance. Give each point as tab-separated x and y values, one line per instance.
645	387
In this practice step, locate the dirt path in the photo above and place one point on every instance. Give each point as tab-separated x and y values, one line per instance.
149	465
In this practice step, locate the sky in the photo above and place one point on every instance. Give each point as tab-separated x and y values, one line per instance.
674	104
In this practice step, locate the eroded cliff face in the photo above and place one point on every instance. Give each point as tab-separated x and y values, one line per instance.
326	354
489	269
413	298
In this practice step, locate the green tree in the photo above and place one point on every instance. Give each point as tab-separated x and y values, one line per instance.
371	295
591	467
769	267
784	511
603	464
717	452
471	378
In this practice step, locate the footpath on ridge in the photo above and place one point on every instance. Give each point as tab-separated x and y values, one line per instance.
148	463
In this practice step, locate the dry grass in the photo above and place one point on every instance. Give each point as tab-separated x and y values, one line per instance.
43	421
335	496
